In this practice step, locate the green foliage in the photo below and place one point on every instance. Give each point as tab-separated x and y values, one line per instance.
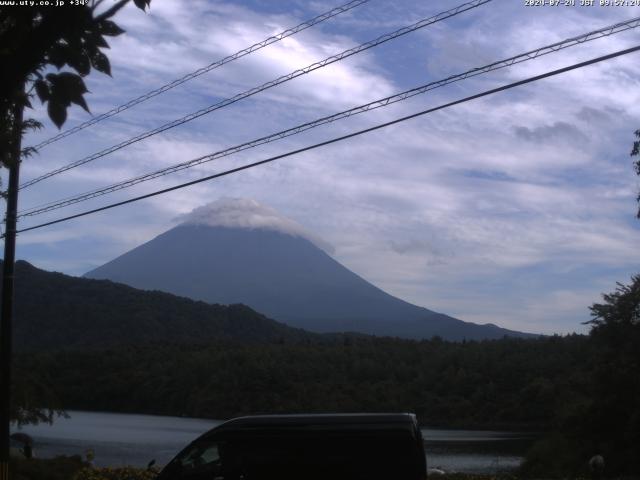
119	473
55	311
614	416
34	397
36	38
73	468
607	419
620	310
555	456
502	383
59	468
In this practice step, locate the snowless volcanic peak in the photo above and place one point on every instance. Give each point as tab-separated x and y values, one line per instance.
238	251
249	214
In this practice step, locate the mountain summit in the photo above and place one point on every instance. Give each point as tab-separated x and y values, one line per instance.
238	251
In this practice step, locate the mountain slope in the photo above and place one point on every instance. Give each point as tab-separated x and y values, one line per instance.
284	276
55	311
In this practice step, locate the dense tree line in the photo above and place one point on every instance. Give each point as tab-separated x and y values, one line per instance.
493	383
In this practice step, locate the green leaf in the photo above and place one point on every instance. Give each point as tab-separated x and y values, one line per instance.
57	113
97	40
42	89
81	63
66	88
57	56
73	82
142	4
74	88
101	63
79	100
91	45
109	28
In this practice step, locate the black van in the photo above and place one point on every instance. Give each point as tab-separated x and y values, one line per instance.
305	447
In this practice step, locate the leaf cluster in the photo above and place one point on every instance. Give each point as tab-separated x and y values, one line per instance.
619	307
49	50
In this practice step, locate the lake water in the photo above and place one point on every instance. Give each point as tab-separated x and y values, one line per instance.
124	439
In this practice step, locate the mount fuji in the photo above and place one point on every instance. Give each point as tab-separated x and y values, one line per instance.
238	251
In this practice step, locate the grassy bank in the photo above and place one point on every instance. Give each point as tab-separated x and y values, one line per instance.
73	468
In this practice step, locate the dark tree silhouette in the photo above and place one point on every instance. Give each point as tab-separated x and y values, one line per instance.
614	417
620	308
34	39
44	51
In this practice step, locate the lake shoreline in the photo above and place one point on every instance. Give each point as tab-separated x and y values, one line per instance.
133	439
498	427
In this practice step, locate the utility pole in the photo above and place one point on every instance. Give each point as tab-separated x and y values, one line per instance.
6	314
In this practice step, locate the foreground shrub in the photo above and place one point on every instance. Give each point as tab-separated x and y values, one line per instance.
115	473
59	468
555	456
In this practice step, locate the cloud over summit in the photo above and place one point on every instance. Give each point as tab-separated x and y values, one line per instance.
249	214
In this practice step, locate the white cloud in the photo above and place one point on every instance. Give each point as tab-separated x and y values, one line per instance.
248	214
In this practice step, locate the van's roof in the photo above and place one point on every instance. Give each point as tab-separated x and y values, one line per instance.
305	420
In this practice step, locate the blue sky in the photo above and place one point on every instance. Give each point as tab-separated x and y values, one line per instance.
516	209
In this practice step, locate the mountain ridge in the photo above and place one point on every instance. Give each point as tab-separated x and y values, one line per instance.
283	275
58	311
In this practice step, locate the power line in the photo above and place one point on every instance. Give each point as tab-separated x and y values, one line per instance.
285	78
201	71
344	137
602	32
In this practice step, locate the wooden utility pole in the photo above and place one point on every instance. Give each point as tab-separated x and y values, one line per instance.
6	314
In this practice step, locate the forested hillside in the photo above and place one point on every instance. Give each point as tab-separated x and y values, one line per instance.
56	311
